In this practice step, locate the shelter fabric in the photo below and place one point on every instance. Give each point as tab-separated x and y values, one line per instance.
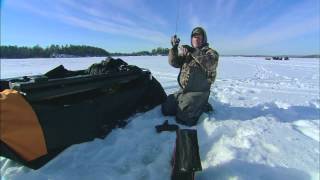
19	126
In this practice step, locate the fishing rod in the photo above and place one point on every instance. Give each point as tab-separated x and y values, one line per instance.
177	17
177	20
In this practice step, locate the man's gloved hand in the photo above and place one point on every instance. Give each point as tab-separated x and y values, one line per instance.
187	52
175	41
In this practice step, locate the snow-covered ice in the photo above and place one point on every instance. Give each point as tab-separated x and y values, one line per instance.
265	125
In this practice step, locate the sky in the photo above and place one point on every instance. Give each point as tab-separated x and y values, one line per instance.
234	27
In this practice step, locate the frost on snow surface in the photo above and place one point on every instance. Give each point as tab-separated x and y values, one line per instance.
265	125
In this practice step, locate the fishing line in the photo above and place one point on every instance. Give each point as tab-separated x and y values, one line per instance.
177	17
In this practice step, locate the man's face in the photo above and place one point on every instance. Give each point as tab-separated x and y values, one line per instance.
197	40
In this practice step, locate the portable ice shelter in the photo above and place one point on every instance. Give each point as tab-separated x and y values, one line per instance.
43	115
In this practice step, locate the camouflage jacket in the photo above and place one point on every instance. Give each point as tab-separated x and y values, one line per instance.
198	70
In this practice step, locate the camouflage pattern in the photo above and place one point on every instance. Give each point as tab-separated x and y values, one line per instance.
197	73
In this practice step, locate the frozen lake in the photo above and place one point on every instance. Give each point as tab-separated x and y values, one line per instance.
265	126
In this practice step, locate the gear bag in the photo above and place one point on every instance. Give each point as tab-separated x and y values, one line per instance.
186	159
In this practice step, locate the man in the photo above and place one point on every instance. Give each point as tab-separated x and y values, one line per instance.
197	72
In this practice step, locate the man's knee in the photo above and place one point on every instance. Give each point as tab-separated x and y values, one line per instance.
181	118
169	107
188	116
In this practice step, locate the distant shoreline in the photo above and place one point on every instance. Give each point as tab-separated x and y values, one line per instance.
290	56
257	56
81	51
68	51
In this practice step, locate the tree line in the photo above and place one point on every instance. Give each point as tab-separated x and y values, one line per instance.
50	51
10	52
153	52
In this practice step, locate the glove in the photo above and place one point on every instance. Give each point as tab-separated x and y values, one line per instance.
187	53
166	127
175	41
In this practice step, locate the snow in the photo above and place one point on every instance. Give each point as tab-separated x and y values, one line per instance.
265	125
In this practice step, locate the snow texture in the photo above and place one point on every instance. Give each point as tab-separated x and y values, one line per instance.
265	125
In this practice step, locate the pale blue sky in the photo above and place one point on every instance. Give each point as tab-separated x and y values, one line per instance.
233	26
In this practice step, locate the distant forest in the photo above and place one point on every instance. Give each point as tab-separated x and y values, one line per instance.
11	52
153	52
51	51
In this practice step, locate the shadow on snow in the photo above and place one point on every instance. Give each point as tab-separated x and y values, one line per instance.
237	169
225	111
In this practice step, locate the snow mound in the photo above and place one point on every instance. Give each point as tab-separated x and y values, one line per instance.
308	128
